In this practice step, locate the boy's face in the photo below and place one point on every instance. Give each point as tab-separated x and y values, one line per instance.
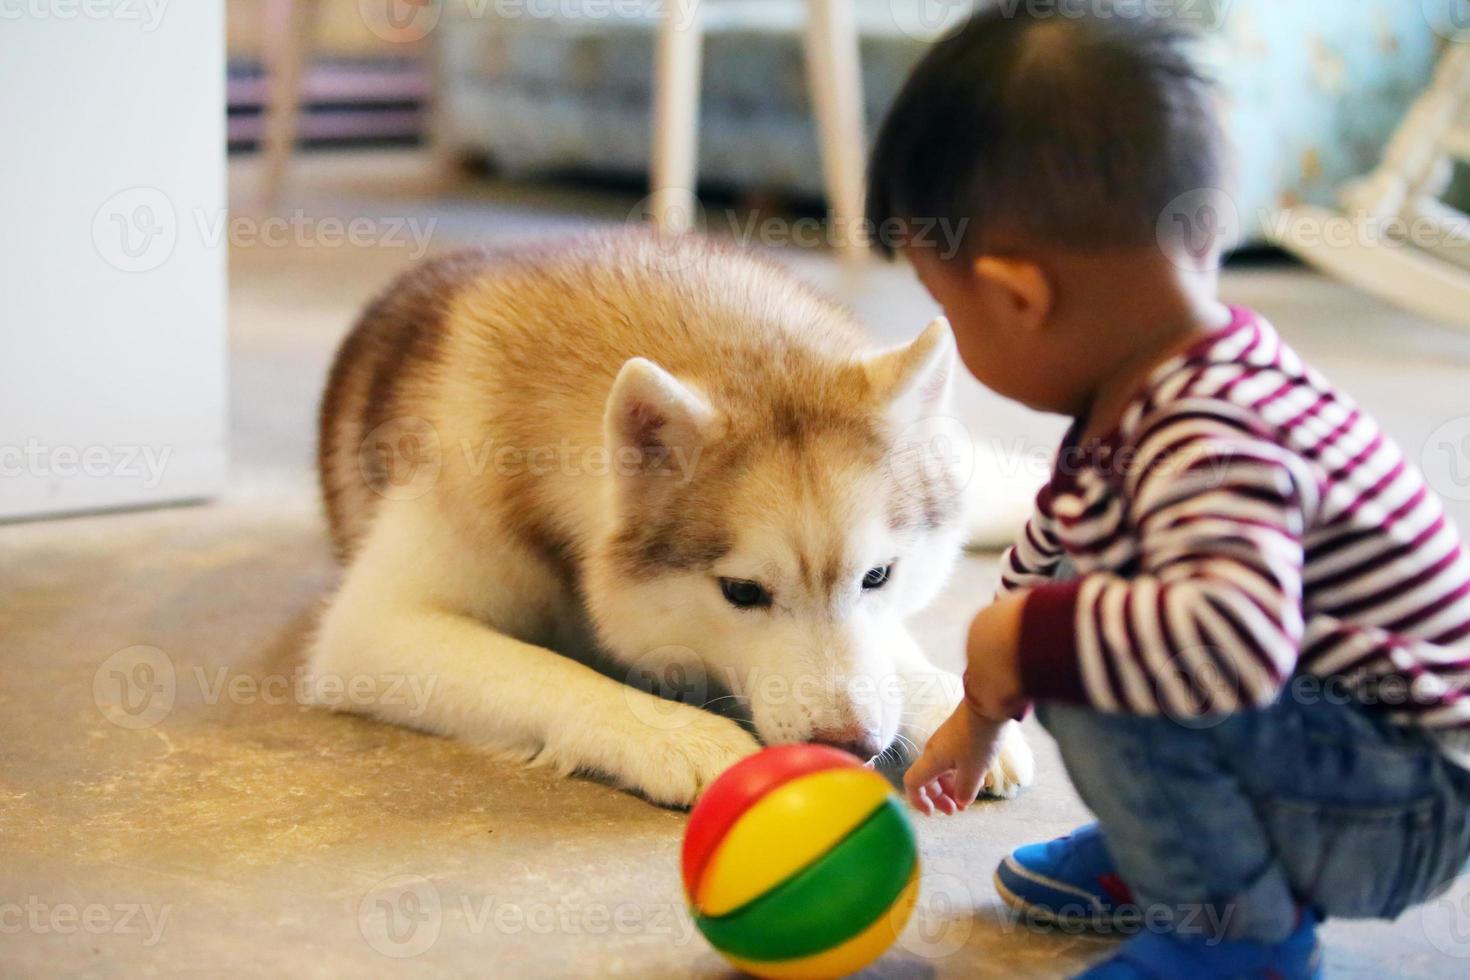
1004	343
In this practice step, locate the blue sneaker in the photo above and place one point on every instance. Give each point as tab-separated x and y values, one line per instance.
1168	956
1068	881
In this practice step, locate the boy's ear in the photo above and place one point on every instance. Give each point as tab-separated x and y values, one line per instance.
914	380
1023	287
650	410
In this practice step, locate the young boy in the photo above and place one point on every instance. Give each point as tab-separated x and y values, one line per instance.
1242	616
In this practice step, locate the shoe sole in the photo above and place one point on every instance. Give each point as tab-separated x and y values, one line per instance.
1046	916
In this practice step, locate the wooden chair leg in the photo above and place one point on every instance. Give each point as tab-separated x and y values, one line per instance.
444	158
837	99
290	26
676	116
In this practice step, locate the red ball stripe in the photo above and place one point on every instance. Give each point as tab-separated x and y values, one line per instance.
739	788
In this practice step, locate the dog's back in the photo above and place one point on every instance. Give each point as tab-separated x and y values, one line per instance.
379	374
480	351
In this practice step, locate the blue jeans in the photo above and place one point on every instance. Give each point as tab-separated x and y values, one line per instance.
1229	824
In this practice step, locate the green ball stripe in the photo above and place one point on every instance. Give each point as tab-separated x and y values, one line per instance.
829	901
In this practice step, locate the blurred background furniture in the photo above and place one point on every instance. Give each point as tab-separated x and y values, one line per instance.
1394	236
1312	89
289	37
833	84
290	29
328	73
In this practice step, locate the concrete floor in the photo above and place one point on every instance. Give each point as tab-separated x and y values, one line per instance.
224	829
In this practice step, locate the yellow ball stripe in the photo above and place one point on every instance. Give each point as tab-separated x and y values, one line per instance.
852	955
761	851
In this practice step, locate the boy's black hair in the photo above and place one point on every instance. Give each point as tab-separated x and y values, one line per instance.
1070	129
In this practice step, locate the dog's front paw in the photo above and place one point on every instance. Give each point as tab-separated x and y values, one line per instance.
1014	766
929	699
679	765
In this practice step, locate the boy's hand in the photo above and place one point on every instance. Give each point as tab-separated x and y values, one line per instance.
993	673
948	774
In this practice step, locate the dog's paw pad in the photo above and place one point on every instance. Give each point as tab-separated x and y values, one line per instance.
1014	767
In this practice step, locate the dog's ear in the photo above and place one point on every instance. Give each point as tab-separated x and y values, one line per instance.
913	381
664	420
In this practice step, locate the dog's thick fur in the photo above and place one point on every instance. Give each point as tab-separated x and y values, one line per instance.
569	449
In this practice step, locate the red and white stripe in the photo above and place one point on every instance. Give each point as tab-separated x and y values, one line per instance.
1245	524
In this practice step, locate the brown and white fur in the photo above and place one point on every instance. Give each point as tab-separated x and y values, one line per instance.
539	467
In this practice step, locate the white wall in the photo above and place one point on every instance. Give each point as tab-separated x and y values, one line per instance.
112	258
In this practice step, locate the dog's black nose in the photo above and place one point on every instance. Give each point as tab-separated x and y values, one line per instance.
863	744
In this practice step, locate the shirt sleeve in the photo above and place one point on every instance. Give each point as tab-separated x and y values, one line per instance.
1211	622
1037	553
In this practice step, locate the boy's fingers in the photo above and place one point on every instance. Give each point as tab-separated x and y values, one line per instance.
929	783
967	780
923	771
915	795
937	799
946	784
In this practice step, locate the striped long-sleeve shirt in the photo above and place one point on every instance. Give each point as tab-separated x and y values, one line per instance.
1246	527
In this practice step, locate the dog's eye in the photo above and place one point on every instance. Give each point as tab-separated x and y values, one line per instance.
743	594
877	577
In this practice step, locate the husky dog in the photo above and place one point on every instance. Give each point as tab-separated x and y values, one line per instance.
567	481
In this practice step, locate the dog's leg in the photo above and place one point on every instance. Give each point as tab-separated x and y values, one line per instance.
387	626
1014	767
931	695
